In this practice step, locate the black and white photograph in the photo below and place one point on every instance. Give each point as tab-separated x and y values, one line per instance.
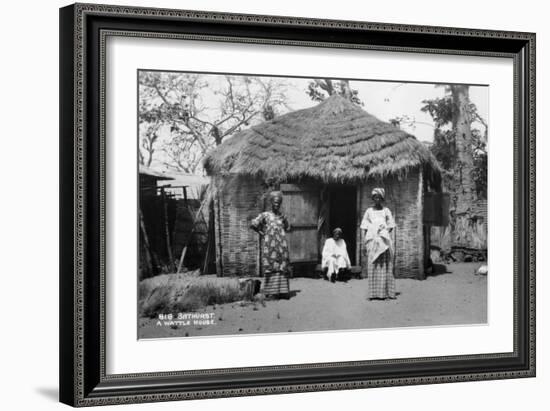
266	206
271	204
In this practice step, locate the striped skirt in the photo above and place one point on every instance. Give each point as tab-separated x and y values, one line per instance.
276	283
381	281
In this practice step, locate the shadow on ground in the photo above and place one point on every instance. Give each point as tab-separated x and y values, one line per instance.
439	269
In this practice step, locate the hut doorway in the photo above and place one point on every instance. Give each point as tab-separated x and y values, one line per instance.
343	214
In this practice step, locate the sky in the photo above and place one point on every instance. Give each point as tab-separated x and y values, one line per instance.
383	99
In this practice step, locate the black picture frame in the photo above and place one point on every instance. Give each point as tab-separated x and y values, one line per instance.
83	29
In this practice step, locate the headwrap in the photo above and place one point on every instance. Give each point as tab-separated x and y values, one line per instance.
337	229
275	194
380	191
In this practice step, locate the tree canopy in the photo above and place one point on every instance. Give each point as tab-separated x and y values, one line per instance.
183	115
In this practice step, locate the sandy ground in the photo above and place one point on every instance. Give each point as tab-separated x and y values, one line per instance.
455	297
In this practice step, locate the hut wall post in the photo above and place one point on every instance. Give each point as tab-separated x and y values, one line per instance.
359	245
421	275
324	224
217	228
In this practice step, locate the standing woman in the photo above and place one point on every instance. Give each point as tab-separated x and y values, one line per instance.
272	226
377	226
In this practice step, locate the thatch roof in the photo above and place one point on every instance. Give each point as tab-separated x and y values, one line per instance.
335	141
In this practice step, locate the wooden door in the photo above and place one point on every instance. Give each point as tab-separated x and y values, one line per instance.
301	204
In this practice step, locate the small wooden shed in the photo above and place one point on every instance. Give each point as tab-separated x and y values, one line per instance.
326	160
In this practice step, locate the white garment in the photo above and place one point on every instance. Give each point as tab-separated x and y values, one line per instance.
378	224
335	256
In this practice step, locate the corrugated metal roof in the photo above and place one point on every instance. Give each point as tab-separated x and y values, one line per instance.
153	173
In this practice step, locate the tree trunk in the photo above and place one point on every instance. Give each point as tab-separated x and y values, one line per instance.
463	185
464	163
346	90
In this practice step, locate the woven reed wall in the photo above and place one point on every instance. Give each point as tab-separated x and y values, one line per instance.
237	201
404	199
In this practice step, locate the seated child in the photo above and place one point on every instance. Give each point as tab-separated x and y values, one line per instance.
335	255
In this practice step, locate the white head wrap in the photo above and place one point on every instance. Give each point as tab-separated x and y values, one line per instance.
380	191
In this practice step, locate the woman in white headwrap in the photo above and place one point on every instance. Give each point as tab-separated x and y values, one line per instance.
335	255
377	226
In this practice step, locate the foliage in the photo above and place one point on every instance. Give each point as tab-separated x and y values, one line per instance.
183	115
443	147
319	89
398	121
442	110
172	293
480	173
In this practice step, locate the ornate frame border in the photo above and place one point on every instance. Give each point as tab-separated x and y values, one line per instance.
82	290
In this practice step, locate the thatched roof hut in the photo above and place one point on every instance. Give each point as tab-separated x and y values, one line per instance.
334	142
326	159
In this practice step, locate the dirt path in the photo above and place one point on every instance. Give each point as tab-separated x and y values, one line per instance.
459	297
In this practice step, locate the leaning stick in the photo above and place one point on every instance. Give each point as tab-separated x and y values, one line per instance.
148	258
167	229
